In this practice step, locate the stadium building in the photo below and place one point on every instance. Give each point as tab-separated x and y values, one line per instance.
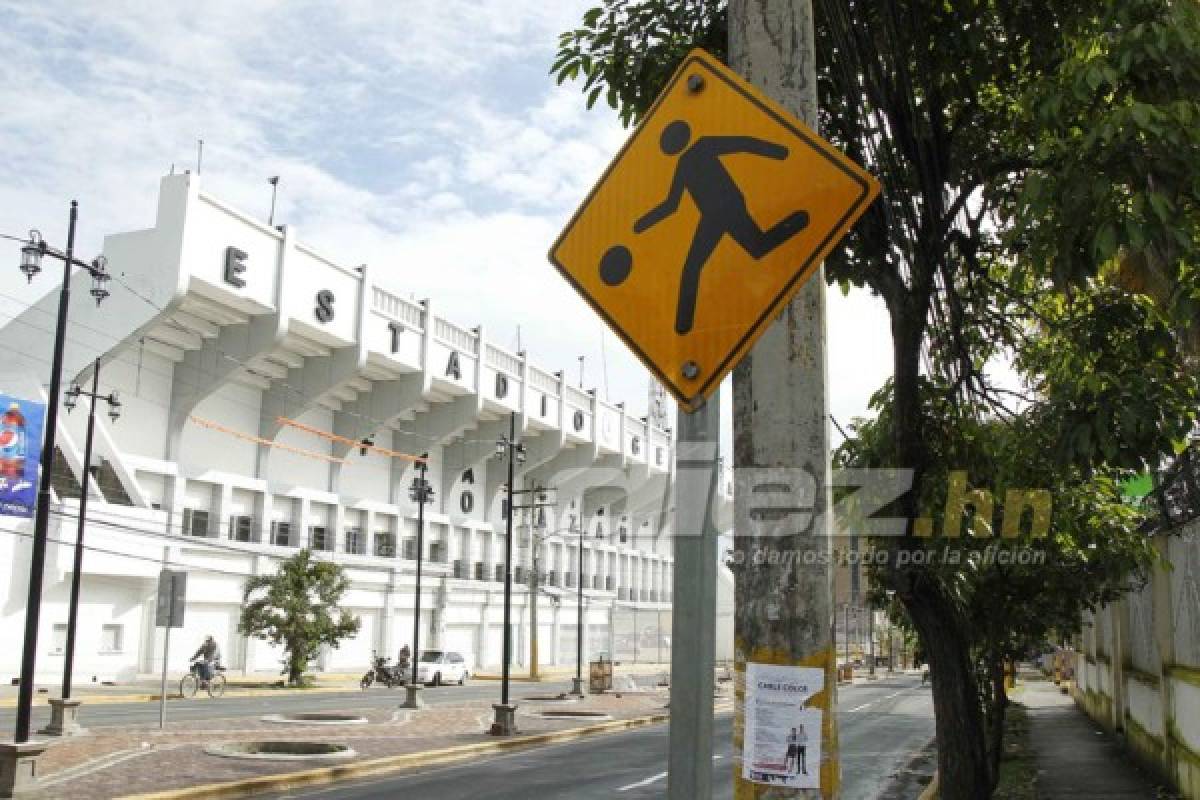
272	399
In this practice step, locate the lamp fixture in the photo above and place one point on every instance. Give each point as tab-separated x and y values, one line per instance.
31	255
100	278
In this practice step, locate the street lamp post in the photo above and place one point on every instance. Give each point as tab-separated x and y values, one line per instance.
32	254
421	492
505	722
64	710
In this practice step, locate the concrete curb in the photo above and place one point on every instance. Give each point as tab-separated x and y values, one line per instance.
381	766
109	699
931	791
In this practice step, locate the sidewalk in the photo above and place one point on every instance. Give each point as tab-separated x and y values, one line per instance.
1075	757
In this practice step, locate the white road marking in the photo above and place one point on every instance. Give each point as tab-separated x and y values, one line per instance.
647	782
655	778
885	697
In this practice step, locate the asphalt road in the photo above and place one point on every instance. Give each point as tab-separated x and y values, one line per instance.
881	726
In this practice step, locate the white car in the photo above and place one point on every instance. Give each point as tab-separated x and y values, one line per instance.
437	667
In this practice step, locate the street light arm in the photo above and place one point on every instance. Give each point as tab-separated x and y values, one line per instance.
54	252
94	395
47	250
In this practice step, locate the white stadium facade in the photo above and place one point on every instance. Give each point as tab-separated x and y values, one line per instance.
250	367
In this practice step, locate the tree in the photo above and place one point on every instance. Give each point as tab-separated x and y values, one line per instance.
1093	550
1115	134
297	608
945	103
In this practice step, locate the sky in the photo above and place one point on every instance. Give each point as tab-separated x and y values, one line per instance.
425	139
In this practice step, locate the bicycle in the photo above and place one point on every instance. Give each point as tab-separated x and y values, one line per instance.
193	682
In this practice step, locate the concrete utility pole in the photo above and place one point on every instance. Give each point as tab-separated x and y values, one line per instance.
783	590
535	507
846	629
871	639
535	577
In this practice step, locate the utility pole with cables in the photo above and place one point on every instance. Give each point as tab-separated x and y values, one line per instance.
542	499
782	450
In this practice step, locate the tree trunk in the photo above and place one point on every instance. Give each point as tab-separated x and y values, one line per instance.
962	752
961	733
996	714
295	664
908	330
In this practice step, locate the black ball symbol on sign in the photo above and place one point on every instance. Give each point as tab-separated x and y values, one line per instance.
615	265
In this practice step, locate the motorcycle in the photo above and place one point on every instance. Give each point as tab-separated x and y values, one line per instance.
389	676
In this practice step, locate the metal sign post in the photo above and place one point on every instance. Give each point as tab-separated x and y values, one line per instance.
690	745
168	613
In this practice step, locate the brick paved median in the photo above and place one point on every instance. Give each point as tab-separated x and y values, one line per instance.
114	762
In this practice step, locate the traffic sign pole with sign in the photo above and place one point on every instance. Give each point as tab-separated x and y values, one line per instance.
711	218
718	208
168	613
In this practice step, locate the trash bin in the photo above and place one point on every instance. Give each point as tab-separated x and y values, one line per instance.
600	674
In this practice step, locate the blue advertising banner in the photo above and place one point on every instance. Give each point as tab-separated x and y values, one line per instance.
20	451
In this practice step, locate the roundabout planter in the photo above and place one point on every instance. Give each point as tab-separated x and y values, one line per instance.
550	698
281	751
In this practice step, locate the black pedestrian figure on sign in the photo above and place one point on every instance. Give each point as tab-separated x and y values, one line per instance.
721	204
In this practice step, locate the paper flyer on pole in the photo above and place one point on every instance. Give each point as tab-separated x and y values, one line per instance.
782	736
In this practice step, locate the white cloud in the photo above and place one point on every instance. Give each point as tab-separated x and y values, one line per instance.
425	139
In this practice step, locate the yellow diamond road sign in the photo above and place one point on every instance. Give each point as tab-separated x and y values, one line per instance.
709	220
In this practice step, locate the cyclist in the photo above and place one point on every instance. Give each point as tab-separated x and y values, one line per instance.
209	655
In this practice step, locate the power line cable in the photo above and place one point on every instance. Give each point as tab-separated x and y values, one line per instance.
205	387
